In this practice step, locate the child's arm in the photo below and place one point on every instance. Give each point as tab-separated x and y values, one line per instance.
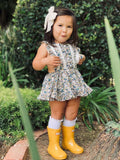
42	59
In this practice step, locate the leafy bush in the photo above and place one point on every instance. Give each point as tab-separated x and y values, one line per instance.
7	53
29	20
7	39
92	37
29	24
10	119
100	105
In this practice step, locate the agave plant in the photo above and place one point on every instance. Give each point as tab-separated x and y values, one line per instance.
115	65
115	60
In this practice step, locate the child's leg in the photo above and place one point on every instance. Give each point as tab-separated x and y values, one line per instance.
57	109
57	112
69	126
72	109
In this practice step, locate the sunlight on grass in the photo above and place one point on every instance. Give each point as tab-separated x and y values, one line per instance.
25	119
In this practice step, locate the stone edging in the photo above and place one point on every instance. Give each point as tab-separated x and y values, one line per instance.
20	149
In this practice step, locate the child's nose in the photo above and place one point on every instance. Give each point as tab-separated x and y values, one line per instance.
64	29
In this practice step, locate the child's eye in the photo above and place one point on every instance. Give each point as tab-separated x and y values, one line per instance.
60	25
69	26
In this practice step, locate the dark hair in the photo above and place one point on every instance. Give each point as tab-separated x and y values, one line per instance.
61	12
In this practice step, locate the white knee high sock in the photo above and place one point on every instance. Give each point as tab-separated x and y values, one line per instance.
69	123
54	123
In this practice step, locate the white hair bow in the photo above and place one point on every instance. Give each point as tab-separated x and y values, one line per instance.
49	20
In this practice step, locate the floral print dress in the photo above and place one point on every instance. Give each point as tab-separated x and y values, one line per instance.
66	82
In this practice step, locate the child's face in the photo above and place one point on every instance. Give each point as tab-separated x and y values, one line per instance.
62	28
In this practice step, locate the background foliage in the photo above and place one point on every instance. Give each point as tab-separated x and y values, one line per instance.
113	127
100	106
10	118
20	41
28	24
29	33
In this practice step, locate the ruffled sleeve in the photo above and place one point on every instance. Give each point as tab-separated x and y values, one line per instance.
48	47
78	55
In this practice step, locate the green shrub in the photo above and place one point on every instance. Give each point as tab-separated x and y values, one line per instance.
100	106
29	20
10	118
7	40
7	53
29	24
92	37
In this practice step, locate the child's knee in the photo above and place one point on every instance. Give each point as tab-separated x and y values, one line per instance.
71	115
57	115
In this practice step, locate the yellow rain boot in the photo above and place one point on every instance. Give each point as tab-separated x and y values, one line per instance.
54	148
68	142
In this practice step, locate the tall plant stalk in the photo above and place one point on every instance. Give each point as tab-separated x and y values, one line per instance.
114	58
25	119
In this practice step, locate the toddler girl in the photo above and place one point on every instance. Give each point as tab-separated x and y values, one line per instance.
63	85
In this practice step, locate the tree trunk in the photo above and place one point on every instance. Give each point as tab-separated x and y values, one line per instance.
105	147
2	17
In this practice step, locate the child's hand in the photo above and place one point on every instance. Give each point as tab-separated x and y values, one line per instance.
82	60
53	60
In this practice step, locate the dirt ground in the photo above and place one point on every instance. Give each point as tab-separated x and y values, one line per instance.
83	136
3	149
